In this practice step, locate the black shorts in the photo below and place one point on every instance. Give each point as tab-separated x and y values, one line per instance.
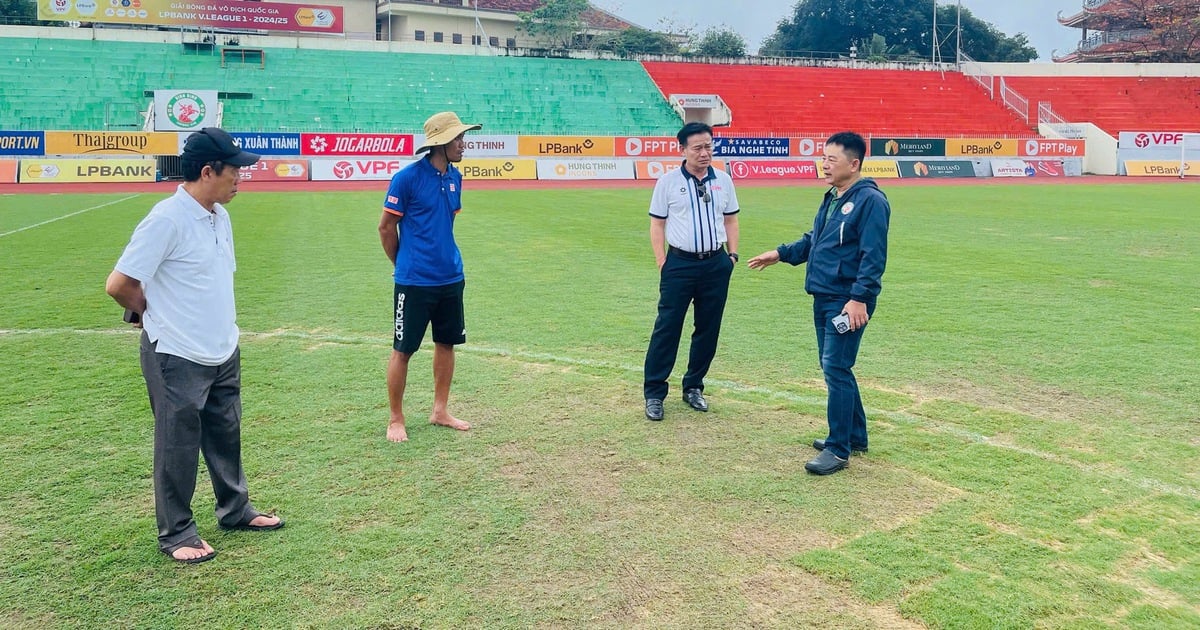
417	307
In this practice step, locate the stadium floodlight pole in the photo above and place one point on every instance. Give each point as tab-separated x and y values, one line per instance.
958	41
933	56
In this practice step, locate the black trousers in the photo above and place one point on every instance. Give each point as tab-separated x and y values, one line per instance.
683	282
197	409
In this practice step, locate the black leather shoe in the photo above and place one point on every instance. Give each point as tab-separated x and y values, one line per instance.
654	409
854	450
826	464
695	399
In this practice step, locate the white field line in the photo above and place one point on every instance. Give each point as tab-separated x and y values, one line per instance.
899	417
69	215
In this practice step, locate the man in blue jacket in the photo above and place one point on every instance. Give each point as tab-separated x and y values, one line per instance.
846	252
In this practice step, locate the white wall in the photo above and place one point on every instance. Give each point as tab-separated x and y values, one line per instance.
1092	69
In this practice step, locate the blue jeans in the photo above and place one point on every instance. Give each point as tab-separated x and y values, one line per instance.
838	352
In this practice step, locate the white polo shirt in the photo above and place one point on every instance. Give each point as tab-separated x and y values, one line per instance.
183	256
693	224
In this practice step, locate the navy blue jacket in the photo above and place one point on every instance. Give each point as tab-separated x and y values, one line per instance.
846	254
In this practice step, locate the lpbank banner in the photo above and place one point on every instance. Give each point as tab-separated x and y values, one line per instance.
498	169
565	146
357	144
772	169
1160	168
908	147
268	143
232	14
930	168
86	170
355	169
751	147
185	110
22	143
585	169
980	147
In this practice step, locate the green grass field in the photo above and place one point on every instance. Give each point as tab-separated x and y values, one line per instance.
1031	377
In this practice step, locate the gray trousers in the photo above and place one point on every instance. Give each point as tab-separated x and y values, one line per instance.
197	409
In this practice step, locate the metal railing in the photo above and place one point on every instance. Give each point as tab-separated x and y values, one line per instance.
973	69
1014	100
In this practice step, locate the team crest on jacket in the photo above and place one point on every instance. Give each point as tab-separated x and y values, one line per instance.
848	207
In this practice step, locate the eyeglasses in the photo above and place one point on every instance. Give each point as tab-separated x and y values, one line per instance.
702	192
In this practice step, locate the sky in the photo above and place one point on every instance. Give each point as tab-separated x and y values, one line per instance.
755	20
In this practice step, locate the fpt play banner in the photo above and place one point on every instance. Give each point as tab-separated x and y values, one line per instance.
645	146
86	170
1053	147
807	147
239	14
653	169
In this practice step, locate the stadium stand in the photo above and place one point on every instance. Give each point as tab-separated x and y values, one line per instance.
820	101
1118	104
88	84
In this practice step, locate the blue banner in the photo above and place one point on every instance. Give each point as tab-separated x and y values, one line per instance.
269	143
22	143
751	147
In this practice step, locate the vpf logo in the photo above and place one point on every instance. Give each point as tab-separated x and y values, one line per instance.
1142	141
318	144
343	169
186	110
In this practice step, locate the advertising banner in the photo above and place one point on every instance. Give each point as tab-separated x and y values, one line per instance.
230	14
585	169
772	169
273	170
496	168
877	169
695	101
355	169
910	147
356	144
482	146
111	143
930	168
565	146
980	147
185	110
268	143
751	147
8	171
86	170
649	147
653	169
22	143
1160	168
807	147
1046	168
1011	168
1149	140
1053	147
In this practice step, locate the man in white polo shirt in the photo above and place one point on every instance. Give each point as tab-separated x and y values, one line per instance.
693	216
175	280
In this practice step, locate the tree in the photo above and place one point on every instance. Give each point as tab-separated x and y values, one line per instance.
555	23
22	12
638	41
829	27
721	42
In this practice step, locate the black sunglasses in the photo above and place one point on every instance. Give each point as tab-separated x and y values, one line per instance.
702	192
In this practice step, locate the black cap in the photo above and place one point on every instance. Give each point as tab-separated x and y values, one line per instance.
211	144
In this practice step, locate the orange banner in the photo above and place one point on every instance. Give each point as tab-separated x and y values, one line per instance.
8	171
565	146
1053	147
653	169
980	147
111	143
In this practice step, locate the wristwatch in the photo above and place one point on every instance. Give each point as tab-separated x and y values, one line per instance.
734	256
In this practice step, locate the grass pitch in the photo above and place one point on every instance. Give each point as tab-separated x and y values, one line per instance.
1030	375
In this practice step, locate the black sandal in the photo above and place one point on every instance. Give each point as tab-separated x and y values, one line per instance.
246	526
191	543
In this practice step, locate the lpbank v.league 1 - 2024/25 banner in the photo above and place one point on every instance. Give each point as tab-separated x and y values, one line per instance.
239	14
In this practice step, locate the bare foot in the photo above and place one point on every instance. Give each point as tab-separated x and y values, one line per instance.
185	553
396	431
263	520
447	420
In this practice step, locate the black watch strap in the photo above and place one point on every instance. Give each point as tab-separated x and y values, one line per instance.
734	256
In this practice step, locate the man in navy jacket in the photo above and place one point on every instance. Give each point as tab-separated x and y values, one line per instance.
846	252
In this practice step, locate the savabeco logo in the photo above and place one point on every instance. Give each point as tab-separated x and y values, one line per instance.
186	110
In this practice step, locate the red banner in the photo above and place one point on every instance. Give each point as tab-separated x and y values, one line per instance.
276	171
772	169
648	147
805	147
326	144
1046	168
1053	147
